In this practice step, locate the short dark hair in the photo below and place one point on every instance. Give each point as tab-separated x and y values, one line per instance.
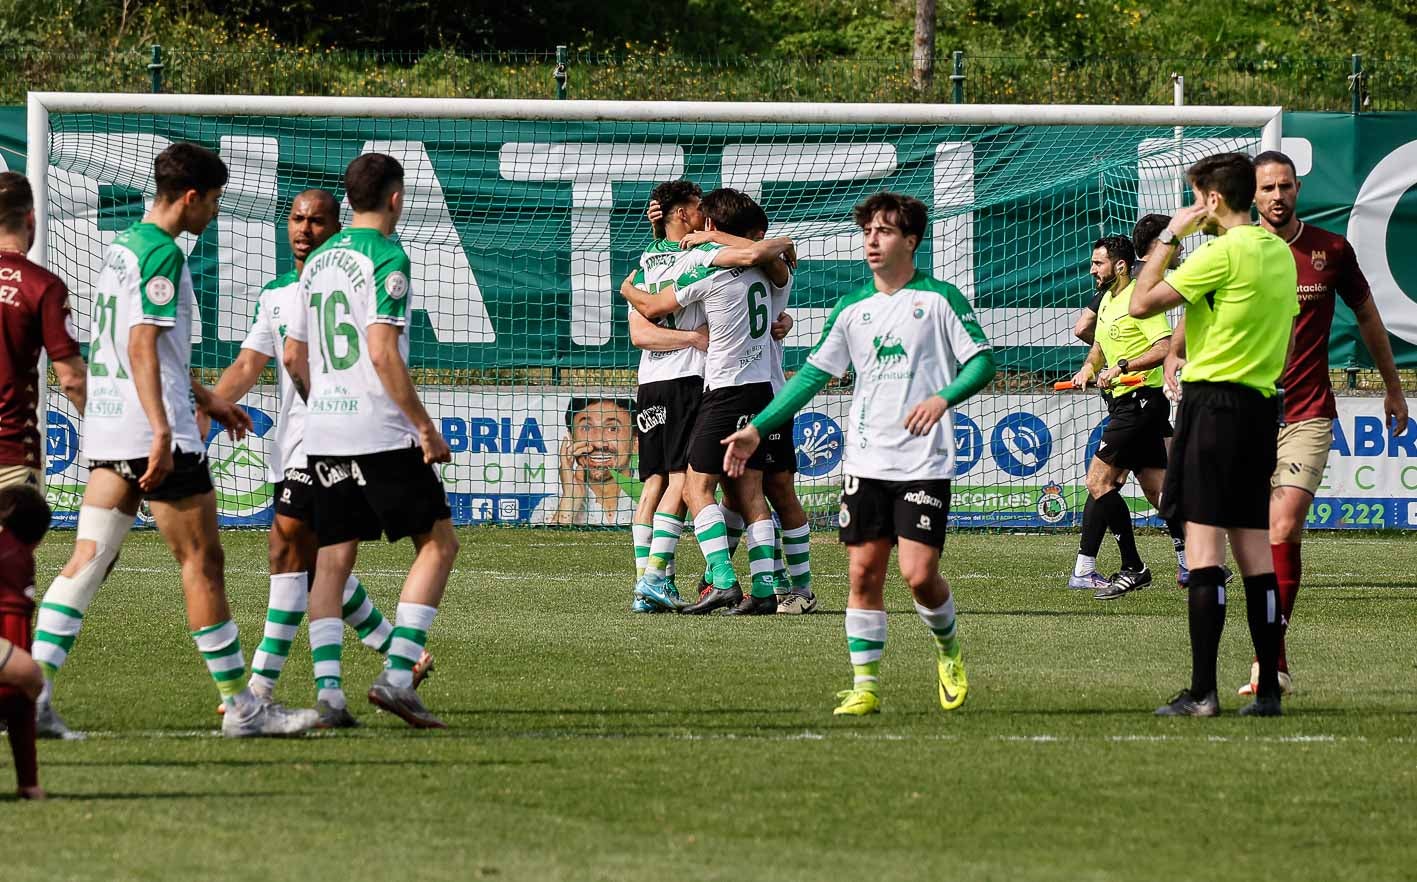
325	196
370	179
581	402
905	212
1146	231
1232	175
732	211
672	194
1118	248
24	512
16	200
1274	157
182	167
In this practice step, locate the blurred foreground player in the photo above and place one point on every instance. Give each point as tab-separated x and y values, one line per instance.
24	518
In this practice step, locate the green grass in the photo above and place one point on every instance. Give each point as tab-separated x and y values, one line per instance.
590	744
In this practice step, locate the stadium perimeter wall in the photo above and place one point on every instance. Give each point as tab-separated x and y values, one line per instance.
1022	462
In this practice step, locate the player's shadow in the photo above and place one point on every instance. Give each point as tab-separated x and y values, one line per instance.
305	761
130	796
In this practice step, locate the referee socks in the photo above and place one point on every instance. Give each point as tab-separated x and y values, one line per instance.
1206	608
1262	610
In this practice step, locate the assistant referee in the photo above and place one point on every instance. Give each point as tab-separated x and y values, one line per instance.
1239	293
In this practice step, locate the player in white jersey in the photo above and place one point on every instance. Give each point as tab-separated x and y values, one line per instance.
733	286
370	441
671	384
291	544
141	440
918	351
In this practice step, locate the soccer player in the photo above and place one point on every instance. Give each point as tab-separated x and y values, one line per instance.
24	518
671	384
291	544
1239	293
34	314
918	351
733	285
368	438
1326	266
141	441
1137	427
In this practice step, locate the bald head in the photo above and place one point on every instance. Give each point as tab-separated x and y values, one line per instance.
314	218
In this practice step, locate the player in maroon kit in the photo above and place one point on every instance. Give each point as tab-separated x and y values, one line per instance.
34	313
24	518
1327	266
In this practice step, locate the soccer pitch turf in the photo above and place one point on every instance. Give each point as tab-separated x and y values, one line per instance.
587	743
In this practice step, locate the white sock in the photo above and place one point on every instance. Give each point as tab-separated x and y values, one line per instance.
1084	565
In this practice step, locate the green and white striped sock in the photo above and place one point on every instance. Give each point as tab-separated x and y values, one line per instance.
410	636
220	646
667	530
797	548
761	546
866	639
734	522
709	529
363	616
290	594
641	534
326	649
941	622
56	629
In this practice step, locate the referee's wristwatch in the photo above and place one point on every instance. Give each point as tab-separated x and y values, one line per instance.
1168	238
1123	365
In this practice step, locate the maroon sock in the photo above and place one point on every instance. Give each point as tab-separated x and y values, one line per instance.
1286	569
18	712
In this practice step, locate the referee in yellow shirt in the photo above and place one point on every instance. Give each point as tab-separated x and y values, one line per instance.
1239	293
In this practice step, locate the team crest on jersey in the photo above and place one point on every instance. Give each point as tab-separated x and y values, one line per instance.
889	348
919	312
397	285
161	290
1319	259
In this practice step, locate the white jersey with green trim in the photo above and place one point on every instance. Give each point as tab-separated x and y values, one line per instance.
780	296
905	346
145	281
280	300
660	264
357	279
736	302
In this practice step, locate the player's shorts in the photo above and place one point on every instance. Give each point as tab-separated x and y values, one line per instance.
779	453
876	509
1222	457
393	493
189	477
295	495
16	630
723	412
1303	454
21	475
1138	425
664	422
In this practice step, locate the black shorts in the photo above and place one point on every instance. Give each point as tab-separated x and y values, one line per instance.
393	493
1138	425
190	475
779	453
664	421
723	412
1222	458
295	495
876	509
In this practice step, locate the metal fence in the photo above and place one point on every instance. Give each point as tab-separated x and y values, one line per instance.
1337	83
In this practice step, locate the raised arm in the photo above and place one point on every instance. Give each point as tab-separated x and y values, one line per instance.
651	306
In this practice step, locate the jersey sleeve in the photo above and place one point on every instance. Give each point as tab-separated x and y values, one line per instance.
833	350
392	290
261	338
57	323
1206	270
962	328
692	287
1095	304
1353	286
159	275
297	327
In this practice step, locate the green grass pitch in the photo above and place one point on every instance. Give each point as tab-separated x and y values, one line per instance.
587	743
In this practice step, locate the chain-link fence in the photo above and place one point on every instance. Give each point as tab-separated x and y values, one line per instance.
1306	83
